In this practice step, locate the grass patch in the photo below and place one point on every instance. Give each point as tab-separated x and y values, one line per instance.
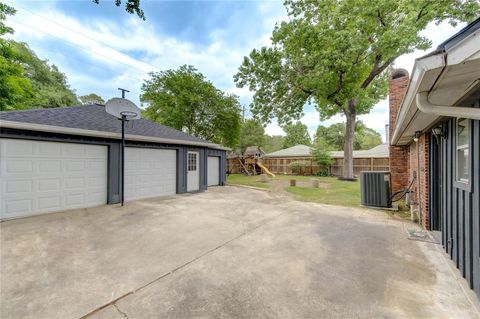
337	193
240	179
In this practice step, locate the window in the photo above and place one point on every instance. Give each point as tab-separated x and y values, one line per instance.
192	162
463	172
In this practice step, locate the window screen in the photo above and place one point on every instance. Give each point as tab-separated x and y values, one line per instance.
463	148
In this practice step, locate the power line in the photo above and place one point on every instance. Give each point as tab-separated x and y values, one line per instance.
75	31
75	44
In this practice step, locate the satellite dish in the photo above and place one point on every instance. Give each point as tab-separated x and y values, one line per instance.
122	108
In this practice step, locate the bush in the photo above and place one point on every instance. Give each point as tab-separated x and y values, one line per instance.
321	156
298	167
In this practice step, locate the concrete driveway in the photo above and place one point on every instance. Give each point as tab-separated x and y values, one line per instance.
226	253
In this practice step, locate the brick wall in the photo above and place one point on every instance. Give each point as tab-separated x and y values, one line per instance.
420	197
397	88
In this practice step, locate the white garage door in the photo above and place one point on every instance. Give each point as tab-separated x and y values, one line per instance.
213	171
150	172
39	177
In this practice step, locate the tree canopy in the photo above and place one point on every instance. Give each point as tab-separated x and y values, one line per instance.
26	81
296	134
333	54
334	135
185	100
252	134
273	143
91	98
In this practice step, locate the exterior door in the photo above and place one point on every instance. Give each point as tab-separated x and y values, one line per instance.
193	171
39	177
150	172
213	178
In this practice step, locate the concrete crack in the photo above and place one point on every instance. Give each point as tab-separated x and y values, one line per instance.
242	234
118	309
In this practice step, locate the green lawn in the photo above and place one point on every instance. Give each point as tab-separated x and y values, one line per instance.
334	191
240	179
337	193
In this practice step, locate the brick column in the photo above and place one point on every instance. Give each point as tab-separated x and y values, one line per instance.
397	87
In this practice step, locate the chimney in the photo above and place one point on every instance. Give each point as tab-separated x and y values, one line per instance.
397	88
387	133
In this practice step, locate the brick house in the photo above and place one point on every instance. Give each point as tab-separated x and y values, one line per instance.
435	145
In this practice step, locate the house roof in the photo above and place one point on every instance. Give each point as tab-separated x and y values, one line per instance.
377	151
294	151
447	78
305	151
92	120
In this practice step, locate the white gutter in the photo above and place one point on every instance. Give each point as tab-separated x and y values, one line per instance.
422	65
83	132
441	110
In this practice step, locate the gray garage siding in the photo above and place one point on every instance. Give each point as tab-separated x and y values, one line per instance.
457	205
114	157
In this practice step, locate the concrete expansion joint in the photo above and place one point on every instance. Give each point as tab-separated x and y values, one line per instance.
121	312
242	234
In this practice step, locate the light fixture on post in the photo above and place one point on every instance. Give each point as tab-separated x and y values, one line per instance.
125	111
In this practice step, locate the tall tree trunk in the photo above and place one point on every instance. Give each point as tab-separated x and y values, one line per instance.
350	114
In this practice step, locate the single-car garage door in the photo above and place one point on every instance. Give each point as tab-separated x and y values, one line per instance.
40	177
150	172
213	171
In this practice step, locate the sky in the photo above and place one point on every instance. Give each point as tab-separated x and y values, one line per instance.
101	47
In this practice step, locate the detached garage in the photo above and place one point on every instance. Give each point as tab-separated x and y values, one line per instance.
66	158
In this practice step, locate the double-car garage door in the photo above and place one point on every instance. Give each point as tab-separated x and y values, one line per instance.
38	177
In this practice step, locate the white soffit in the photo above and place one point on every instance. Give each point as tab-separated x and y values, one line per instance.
446	76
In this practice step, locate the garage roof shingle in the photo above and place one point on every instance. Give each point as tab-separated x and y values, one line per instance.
94	118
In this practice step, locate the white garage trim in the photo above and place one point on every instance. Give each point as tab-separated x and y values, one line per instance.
213	171
39	177
150	172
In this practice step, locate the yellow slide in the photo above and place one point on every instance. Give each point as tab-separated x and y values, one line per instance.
265	169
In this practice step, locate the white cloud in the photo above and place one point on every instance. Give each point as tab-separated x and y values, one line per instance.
111	46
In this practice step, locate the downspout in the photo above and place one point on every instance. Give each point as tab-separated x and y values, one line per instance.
419	204
442	110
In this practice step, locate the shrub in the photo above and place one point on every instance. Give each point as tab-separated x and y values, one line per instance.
321	156
298	167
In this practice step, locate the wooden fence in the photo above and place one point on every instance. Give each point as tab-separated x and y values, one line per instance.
281	165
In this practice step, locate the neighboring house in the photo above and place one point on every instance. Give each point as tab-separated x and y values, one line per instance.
64	158
435	145
363	160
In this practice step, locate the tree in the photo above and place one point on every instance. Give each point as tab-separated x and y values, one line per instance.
15	87
333	135
185	100
273	143
25	80
334	54
253	134
296	134
50	87
364	137
131	6
91	98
